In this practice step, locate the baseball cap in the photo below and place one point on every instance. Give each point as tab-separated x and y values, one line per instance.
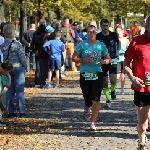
49	29
75	23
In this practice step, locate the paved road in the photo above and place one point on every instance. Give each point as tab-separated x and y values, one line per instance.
55	122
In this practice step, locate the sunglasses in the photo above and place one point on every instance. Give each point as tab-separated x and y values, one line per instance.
105	25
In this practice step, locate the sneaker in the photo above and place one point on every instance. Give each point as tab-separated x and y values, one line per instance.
142	146
87	115
48	86
57	85
2	124
108	104
93	127
12	115
37	85
22	115
122	91
113	95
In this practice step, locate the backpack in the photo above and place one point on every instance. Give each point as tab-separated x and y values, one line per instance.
67	34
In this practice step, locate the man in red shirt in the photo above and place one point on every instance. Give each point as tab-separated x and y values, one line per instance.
139	53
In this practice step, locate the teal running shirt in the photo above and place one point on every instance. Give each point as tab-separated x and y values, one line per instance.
95	51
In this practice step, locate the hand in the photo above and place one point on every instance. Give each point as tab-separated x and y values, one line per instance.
28	45
137	82
87	60
102	62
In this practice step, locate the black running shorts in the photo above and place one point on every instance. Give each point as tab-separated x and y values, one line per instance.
141	98
91	89
111	68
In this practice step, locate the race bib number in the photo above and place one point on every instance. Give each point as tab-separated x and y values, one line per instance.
147	78
90	76
114	61
121	58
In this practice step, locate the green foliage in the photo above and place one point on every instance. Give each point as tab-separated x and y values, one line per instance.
81	9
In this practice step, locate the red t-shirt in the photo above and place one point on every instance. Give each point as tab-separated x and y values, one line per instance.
139	52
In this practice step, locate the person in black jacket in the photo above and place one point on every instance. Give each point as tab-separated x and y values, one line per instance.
26	41
34	46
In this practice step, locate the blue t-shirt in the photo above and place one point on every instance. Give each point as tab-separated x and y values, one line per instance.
83	35
96	51
56	48
76	38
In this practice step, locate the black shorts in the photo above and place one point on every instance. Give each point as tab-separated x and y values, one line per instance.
120	67
111	68
141	98
91	89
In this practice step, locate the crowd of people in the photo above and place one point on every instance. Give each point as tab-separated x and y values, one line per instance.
103	56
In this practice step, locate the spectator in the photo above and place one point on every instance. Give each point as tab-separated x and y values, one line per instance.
13	51
5	81
27	40
54	48
134	30
37	49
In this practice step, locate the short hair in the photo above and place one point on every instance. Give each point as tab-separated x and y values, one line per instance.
91	26
7	65
42	22
57	33
148	21
9	31
92	23
104	21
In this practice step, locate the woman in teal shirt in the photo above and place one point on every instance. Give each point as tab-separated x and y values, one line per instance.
91	75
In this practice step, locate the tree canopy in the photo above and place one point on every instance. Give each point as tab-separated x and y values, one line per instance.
80	9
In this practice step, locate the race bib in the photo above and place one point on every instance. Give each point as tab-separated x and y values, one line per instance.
114	61
90	76
147	78
121	58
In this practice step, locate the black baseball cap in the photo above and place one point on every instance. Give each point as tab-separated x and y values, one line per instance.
75	23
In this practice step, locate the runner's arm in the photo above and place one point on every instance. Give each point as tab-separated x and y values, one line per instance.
136	82
106	60
75	58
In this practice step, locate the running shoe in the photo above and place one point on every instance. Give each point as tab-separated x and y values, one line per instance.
87	115
113	95
93	127
142	146
108	104
57	85
48	86
122	91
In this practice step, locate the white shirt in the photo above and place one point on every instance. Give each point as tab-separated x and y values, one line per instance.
1	42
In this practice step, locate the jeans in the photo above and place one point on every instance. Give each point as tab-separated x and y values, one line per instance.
30	57
17	87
